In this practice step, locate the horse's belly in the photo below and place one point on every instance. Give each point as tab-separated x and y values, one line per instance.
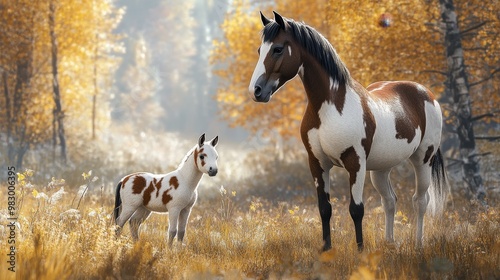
387	152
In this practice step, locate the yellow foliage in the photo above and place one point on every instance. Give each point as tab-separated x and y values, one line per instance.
83	32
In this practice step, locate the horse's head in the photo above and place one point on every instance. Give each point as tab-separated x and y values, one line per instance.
279	59
205	155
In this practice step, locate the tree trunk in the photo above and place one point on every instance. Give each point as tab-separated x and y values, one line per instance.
18	114
457	88
59	115
96	90
8	117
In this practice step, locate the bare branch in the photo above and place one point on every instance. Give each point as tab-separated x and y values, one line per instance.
482	116
490	76
489	138
475	49
434	71
479	25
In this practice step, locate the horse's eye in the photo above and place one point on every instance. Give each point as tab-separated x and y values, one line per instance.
202	157
278	50
258	50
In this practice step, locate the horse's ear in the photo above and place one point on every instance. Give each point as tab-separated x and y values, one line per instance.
214	141
279	19
201	140
265	20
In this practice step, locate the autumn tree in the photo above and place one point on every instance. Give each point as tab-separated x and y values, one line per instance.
458	92
45	74
19	41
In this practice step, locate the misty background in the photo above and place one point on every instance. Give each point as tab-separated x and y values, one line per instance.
167	67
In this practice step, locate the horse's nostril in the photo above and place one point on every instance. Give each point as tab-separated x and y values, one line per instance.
257	91
210	169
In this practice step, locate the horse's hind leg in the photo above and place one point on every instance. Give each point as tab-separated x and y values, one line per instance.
140	215
382	184
421	196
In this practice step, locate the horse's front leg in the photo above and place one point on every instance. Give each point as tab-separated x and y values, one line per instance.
356	167
322	181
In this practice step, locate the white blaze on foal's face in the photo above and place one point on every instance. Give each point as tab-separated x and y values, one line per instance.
206	156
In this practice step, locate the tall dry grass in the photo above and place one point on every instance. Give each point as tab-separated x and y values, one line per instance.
264	224
233	237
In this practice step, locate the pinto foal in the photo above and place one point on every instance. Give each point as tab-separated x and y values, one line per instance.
139	194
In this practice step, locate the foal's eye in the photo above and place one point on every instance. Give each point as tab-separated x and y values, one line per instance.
202	157
278	50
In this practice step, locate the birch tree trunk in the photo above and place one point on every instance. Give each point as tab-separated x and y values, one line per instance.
457	89
59	115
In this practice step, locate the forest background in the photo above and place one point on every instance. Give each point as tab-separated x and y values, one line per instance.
115	87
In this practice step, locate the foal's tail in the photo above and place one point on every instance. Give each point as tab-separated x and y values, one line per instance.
118	201
439	188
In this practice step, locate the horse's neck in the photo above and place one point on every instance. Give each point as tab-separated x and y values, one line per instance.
189	172
318	84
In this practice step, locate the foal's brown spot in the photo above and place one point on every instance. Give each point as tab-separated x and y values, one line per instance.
174	182
428	153
158	186
147	194
165	198
139	184
350	159
125	180
196	153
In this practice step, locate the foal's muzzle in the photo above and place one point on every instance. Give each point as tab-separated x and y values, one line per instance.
212	172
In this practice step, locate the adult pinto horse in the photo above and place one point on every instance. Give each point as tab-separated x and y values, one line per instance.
352	127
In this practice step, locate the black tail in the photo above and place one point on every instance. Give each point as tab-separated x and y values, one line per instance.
439	188
118	201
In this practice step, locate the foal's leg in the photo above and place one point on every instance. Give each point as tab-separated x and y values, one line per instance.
183	219
173	218
127	211
140	215
421	196
382	184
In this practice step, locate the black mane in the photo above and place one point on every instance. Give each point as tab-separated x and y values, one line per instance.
317	45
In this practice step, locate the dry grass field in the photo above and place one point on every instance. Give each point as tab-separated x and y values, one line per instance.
234	237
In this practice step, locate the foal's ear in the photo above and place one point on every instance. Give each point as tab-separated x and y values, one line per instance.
214	141
279	19
265	20
201	140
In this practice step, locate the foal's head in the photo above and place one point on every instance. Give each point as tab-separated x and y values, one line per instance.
279	59
205	155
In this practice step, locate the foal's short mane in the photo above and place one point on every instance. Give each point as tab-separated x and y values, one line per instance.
316	44
186	157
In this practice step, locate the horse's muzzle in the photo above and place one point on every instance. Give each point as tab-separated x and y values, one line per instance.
263	89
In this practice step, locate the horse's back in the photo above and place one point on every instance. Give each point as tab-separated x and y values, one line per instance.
408	121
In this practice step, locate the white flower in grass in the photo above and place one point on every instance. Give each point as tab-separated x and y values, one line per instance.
39	195
81	190
71	214
222	190
57	196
